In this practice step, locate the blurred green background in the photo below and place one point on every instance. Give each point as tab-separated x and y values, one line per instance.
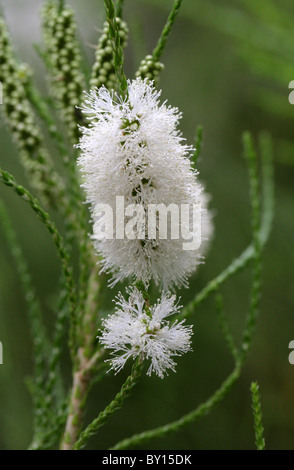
228	65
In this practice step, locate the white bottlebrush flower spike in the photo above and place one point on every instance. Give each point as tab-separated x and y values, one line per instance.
132	148
133	331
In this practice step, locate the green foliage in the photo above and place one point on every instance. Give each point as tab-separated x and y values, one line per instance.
58	413
26	196
224	326
22	124
114	405
63	57
262	34
38	334
115	39
257	416
160	46
239	355
103	71
150	67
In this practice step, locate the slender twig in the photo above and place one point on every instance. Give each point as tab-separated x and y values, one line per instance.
159	48
61	5
40	341
248	254
249	328
85	362
79	392
118	55
119	8
51	435
257	416
9	180
114	405
42	109
251	158
224	327
73	208
266	152
200	411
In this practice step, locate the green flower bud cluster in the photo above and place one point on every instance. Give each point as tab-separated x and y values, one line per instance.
103	72
150	69
20	118
64	61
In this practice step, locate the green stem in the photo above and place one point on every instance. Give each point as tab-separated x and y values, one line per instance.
200	411
159	48
114	405
42	109
9	180
80	388
248	254
251	158
73	208
257	416
119	8
249	329
225	328
85	362
118	56
41	346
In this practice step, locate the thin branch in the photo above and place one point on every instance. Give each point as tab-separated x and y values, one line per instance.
159	48
224	327
82	379
200	411
116	404
26	196
251	158
118	55
248	254
40	341
119	8
257	416
249	328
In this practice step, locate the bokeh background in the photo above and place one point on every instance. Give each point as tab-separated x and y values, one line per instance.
228	65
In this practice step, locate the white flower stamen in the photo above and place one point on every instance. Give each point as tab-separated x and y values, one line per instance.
132	148
134	331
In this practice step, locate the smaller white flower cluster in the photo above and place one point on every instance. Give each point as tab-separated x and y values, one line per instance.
135	329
